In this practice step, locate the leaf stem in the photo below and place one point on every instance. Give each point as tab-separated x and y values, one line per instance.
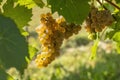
113	4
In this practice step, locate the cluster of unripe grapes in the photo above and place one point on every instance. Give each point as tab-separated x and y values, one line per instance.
98	20
51	34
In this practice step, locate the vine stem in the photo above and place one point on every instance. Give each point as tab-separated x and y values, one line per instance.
92	2
113	4
101	4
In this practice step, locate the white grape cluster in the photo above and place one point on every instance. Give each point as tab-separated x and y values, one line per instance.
98	20
51	34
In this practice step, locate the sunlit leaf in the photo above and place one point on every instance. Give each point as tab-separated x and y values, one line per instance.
27	3
94	49
116	37
25	34
32	51
20	14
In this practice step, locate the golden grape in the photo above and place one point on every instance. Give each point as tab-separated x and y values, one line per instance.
51	34
98	20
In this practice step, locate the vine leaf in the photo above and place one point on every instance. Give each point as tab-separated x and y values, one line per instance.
13	46
32	51
118	1
109	33
20	14
109	7
118	47
4	75
15	0
94	49
116	38
0	1
74	11
117	24
39	3
27	3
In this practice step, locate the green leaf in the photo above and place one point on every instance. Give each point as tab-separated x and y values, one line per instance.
15	0
94	49
109	7
118	1
74	11
13	46
20	14
4	75
118	47
117	24
110	33
32	51
0	1
27	3
25	33
116	37
39	3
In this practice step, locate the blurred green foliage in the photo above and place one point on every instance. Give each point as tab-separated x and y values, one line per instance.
74	63
76	66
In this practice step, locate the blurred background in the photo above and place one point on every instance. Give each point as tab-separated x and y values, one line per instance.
74	63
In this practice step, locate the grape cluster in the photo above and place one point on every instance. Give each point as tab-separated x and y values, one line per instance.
98	20
51	34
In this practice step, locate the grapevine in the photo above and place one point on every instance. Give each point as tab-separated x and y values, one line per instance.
100	19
